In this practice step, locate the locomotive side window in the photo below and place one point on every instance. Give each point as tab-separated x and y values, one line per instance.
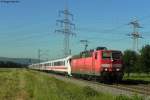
96	55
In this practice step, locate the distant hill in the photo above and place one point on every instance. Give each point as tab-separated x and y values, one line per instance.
19	60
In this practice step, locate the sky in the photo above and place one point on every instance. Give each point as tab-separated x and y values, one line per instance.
30	25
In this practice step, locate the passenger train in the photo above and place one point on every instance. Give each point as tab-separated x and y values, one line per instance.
100	63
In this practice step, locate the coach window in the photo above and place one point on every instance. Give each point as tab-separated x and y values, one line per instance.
55	63
96	55
64	62
59	63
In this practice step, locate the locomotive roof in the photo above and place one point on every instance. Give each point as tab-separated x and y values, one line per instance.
98	50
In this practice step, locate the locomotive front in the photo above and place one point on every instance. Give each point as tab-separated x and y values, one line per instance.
111	65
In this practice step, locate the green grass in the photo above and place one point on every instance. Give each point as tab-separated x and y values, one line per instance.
137	76
22	84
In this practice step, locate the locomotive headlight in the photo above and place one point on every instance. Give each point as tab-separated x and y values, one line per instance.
117	69
106	69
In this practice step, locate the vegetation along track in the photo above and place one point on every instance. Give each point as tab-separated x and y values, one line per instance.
141	89
138	89
125	87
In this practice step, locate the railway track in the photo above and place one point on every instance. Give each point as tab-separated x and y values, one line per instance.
137	89
140	89
126	89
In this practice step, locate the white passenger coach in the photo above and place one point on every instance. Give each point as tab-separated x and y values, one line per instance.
59	65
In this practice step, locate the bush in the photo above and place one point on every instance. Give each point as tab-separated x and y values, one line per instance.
89	91
135	97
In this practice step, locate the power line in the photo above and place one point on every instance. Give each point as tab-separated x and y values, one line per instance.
112	29
144	18
24	39
99	30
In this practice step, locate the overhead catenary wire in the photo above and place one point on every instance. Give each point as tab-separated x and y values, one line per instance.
26	37
92	29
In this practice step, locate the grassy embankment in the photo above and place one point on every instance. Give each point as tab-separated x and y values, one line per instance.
22	84
138	76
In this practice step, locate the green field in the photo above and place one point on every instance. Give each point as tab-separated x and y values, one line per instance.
23	84
138	76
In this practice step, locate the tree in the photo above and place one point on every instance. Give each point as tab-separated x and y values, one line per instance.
145	58
10	64
129	61
138	65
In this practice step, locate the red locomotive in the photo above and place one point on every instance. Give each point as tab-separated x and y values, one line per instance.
101	63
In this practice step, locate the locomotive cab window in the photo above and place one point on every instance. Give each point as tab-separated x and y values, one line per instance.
106	55
116	55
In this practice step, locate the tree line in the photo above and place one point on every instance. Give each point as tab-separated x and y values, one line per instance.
9	64
137	62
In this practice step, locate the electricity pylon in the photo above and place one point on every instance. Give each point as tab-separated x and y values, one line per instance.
135	35
66	27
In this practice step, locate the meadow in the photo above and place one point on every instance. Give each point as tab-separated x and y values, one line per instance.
24	84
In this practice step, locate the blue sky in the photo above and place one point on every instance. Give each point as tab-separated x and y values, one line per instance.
29	25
